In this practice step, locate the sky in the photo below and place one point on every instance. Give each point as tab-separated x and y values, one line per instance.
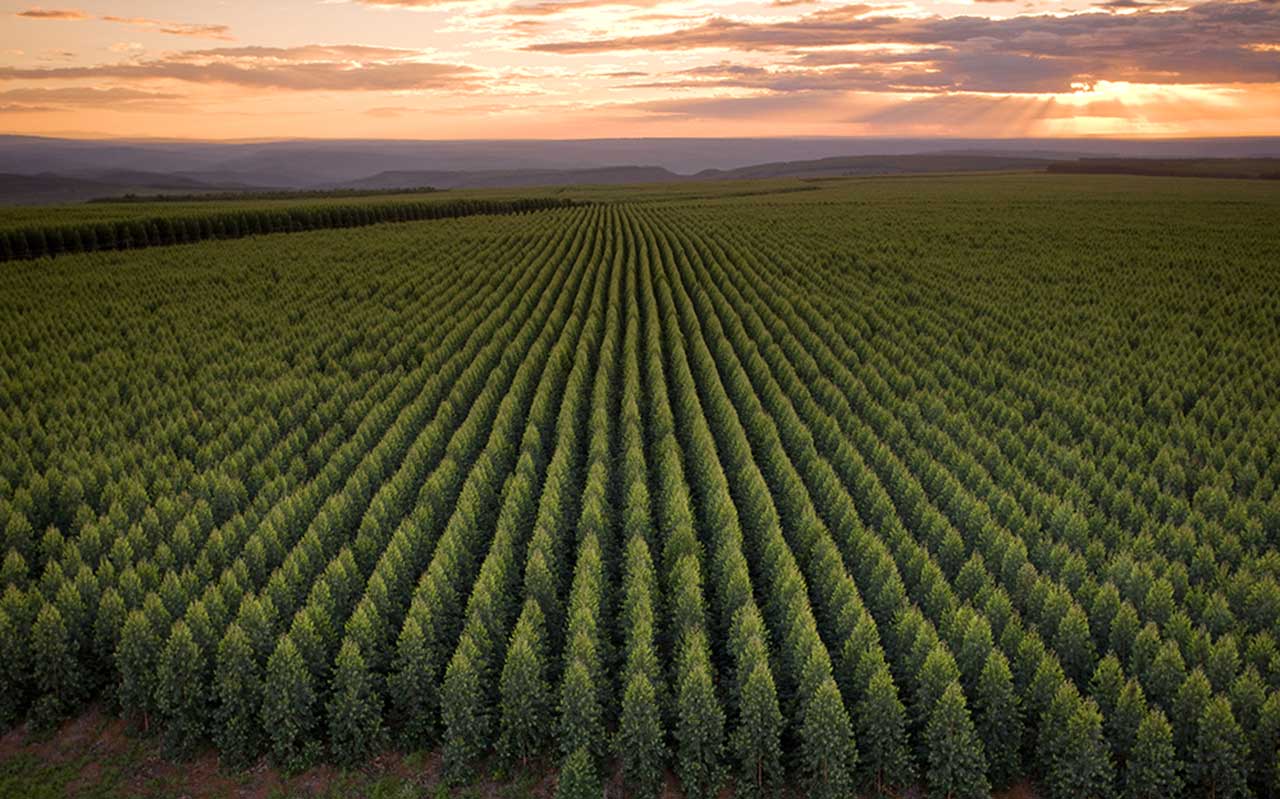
558	69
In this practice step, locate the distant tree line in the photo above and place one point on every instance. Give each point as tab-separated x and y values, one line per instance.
128	234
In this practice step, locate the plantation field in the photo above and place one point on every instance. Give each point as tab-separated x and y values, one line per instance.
832	488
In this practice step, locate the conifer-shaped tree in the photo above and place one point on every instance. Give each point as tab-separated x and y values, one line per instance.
581	718
1074	645
13	674
579	778
466	724
136	659
997	718
884	759
524	695
1153	770
287	707
410	687
180	691
699	729
238	693
1074	750
107	626
1264	744
757	741
639	741
828	754
354	709
1220	767
58	678
1188	708
956	767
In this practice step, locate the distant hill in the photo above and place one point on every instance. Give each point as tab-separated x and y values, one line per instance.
614	175
49	187
36	170
875	165
1255	168
504	178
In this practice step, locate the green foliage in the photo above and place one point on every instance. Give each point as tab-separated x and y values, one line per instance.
238	692
997	718
578	778
1153	770
699	726
827	752
288	708
136	659
639	741
57	674
757	740
884	757
354	711
1219	767
956	766
1078	763
410	687
526	703
180	691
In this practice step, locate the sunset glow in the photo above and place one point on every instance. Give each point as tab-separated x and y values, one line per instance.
428	69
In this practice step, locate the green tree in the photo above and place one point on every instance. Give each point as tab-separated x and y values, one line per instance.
699	729
1077	762
1074	645
238	691
14	675
288	703
462	712
998	720
581	718
1188	708
58	677
524	694
639	741
884	759
578	777
1123	722
107	627
1153	770
956	766
355	712
828	755
1220	767
136	660
410	686
180	691
1264	743
758	740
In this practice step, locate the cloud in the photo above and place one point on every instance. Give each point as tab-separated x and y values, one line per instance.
86	97
175	28
1206	43
304	68
548	7
407	4
20	108
52	13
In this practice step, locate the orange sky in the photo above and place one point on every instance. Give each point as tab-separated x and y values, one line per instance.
434	69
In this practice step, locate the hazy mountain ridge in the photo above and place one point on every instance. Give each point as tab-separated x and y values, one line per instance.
46	170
